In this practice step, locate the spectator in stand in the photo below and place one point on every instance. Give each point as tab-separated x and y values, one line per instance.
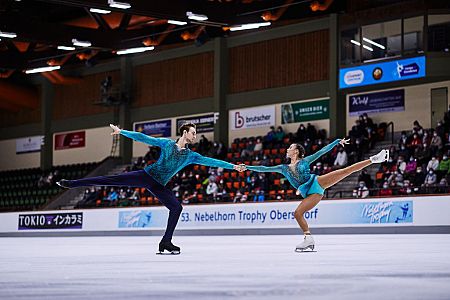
112	197
203	145
301	133
436	143
89	198
269	137
403	140
317	169
238	196
211	191
423	154
407	188
433	164
444	167
258	146
430	179
385	191
135	196
396	179
443	186
311	132
248	151
426	138
362	191
440	129
222	193
341	159
365	177
417	128
259	196
279	134
411	166
415	142
401	165
419	177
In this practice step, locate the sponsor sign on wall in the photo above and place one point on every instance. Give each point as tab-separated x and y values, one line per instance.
29	144
261	116
376	102
204	123
70	140
305	111
395	70
50	221
161	128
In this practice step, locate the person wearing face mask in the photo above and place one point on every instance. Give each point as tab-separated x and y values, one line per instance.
341	159
433	164
362	191
301	133
401	164
417	127
416	141
403	139
436	143
419	177
430	179
385	191
411	166
444	167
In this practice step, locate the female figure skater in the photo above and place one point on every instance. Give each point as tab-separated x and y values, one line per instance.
311	186
174	157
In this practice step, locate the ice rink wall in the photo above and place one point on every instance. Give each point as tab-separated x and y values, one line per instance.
377	215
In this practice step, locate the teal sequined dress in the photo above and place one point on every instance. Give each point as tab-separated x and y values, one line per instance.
301	179
172	158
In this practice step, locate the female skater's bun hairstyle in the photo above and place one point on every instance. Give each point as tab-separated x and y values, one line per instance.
185	126
301	150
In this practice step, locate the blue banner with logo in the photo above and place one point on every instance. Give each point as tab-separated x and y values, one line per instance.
395	70
161	128
376	102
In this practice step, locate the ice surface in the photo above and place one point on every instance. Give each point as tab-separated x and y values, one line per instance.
225	267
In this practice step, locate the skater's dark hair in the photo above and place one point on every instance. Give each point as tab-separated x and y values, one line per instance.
301	150
185	126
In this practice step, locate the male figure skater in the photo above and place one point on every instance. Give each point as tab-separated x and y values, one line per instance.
175	155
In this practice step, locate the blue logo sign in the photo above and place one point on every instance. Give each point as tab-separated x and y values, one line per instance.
156	129
135	219
382	72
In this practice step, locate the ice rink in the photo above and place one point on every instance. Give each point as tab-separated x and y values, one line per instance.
226	267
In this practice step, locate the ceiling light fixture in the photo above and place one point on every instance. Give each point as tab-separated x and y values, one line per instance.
66	48
374	43
367	47
134	50
355	42
76	42
196	17
99	11
121	5
175	22
249	26
9	35
43	69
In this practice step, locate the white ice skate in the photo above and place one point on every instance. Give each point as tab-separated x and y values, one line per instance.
308	243
380	157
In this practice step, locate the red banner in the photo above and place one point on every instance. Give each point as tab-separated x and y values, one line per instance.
70	140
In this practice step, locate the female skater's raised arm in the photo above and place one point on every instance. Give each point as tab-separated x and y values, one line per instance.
275	169
324	150
139	137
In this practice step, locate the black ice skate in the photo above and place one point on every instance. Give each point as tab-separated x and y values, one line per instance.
169	247
63	183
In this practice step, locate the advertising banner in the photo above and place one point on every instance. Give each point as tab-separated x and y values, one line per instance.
50	221
305	111
376	102
70	140
261	116
162	128
204	123
29	144
382	72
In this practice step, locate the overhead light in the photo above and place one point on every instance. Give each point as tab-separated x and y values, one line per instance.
76	42
367	47
355	42
134	50
374	43
66	48
249	26
175	22
99	11
43	69
10	35
196	17
121	5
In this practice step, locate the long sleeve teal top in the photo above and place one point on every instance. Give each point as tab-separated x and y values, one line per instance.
302	174
172	158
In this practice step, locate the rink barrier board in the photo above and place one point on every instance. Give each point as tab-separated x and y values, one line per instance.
375	215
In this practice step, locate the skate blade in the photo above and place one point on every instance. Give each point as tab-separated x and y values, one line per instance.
299	250
168	253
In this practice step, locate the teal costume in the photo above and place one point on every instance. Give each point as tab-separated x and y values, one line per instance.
302	180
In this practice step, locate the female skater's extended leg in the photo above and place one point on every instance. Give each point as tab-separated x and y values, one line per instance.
334	177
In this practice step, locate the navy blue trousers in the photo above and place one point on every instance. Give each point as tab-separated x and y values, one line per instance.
140	179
